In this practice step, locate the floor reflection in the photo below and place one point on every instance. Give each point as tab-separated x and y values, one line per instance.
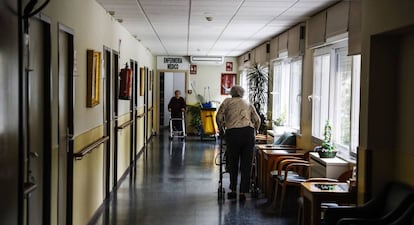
175	183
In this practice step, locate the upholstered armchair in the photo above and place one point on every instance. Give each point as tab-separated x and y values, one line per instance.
385	208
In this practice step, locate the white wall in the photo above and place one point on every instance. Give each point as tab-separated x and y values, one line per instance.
209	76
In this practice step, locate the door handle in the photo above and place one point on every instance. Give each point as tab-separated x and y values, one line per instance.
33	155
69	137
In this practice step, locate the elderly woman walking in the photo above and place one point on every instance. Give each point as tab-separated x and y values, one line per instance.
239	119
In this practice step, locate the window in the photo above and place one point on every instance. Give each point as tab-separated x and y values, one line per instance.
336	96
244	83
287	95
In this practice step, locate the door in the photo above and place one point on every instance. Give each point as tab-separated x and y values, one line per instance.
171	82
11	149
38	110
115	71
132	107
146	106
65	123
107	119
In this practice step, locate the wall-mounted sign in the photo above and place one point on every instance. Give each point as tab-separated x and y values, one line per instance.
229	66
228	80
193	69
172	63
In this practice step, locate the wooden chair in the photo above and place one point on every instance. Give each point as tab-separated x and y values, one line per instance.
295	171
274	173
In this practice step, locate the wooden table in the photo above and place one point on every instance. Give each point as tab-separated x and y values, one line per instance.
267	154
263	138
313	196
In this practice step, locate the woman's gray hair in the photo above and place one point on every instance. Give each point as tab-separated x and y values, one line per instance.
237	91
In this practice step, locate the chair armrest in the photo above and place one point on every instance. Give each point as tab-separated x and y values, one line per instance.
284	163
279	159
365	215
333	215
359	221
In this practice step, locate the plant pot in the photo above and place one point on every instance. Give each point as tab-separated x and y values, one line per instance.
327	154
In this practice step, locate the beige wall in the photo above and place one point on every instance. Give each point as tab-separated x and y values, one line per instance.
385	92
93	28
124	146
88	173
209	76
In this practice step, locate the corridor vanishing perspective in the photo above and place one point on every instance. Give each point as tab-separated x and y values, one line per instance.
175	183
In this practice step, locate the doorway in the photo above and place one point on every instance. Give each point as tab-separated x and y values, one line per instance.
37	109
169	82
115	77
66	127
107	120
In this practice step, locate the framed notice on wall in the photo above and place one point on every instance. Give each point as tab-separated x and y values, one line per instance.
193	69
229	66
227	81
93	78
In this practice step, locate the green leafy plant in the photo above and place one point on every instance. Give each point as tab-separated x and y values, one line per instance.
327	144
195	121
258	78
280	121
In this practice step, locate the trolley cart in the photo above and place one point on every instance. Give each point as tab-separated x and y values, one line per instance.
208	122
174	131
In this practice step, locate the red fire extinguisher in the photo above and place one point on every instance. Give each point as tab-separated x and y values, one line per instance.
125	80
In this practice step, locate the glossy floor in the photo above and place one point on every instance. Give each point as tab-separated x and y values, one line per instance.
175	183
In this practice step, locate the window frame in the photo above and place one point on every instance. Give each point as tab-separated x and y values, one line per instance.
332	51
283	84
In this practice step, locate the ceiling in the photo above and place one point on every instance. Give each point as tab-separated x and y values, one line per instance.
182	27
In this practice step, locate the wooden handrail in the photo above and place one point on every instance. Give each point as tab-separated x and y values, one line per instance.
126	124
79	155
151	108
141	115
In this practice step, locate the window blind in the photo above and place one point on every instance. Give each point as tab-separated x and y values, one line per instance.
316	27
337	19
354	33
274	48
283	42
261	54
295	45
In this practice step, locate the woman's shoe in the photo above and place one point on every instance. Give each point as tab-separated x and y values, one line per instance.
231	195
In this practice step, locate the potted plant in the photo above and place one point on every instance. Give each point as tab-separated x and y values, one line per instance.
280	121
327	149
195	118
258	76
